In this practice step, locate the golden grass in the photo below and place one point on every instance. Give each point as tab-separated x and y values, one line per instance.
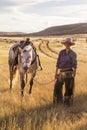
36	111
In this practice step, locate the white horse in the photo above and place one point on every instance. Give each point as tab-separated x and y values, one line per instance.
27	63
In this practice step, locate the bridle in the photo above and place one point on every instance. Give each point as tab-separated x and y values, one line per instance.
26	61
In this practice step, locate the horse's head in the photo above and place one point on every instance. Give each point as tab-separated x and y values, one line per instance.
26	56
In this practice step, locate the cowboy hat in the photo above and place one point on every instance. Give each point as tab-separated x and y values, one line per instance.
68	40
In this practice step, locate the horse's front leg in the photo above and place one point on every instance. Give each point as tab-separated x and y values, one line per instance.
31	84
22	83
31	81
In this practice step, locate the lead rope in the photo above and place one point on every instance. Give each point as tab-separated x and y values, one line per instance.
45	82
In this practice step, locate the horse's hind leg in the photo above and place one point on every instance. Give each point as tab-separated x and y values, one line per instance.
11	77
31	82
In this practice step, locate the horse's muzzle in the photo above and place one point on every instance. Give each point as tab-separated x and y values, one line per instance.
25	68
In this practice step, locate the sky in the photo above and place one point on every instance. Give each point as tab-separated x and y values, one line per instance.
35	15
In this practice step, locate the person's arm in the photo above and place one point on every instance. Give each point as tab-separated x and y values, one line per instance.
74	64
74	70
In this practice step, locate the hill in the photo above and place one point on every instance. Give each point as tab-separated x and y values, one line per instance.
12	34
78	28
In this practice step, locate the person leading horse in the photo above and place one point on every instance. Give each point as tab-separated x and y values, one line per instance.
65	73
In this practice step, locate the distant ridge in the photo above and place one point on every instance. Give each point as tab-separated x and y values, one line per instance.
12	33
78	28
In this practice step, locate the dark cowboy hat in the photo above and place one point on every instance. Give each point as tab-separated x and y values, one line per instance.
68	40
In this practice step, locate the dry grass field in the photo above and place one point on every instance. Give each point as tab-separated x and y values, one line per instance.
36	111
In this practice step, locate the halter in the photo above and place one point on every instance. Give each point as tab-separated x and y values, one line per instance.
27	59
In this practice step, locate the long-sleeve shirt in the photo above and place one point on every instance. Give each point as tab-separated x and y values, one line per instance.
67	60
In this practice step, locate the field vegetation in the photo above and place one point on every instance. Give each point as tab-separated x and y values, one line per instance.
36	111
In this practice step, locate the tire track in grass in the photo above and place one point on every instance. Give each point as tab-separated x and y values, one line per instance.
42	51
47	44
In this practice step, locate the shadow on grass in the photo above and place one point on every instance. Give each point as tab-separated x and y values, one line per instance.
3	91
80	103
35	118
82	127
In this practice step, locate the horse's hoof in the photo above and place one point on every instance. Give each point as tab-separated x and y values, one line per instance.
22	93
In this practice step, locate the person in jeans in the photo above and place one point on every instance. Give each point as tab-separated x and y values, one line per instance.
66	66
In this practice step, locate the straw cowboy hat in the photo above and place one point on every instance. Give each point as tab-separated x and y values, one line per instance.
68	40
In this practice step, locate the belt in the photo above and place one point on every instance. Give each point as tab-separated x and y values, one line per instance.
66	69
